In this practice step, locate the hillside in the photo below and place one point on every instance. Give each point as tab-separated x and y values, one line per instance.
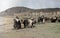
14	10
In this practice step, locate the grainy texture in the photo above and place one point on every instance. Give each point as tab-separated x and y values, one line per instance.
47	30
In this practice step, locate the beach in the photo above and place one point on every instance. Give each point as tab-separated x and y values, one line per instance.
39	31
47	30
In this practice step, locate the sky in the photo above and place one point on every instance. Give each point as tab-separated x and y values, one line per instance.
34	4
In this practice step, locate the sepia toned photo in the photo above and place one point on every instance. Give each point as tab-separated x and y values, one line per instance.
29	18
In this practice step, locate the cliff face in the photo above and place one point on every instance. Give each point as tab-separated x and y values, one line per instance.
16	10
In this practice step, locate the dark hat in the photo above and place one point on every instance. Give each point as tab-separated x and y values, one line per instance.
17	17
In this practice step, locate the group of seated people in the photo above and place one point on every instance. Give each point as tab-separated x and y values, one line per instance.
52	19
30	22
26	22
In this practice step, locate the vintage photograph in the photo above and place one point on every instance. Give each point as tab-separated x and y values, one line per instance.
29	18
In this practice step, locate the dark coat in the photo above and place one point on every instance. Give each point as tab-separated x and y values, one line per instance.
17	24
40	19
25	22
53	19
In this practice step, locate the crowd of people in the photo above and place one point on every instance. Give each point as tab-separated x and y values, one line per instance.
26	22
29	22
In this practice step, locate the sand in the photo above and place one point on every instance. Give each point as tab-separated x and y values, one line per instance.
47	30
39	31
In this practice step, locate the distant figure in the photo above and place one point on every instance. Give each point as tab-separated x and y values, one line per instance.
58	19
41	19
30	23
17	23
47	19
25	22
53	19
34	21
